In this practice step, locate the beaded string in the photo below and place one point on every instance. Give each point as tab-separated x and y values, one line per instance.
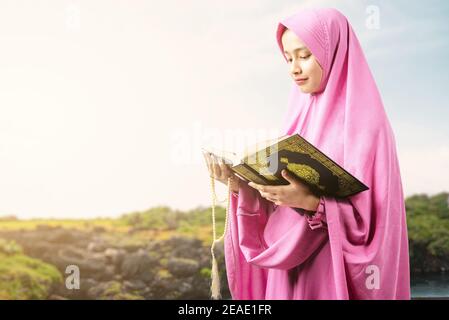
215	276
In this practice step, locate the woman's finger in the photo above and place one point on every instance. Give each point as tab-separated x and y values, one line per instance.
208	162
268	195
226	171
271	199
216	167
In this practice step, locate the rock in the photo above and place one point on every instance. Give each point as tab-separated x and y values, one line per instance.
181	267
134	285
140	264
130	248
111	290
90	266
184	247
185	288
114	256
96	291
56	297
40	248
129	267
63	236
99	229
87	283
96	247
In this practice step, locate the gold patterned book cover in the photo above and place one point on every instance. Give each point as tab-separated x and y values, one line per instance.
299	157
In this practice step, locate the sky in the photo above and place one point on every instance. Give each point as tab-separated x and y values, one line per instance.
104	105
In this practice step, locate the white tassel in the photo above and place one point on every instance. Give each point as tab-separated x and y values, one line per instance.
215	287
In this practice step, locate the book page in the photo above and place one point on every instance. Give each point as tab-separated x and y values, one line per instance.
234	158
252	149
230	158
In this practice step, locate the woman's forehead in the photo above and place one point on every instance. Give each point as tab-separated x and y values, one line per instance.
291	42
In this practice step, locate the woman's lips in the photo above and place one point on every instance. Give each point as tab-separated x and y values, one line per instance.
301	81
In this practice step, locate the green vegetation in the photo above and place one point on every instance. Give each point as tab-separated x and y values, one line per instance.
114	291
428	231
168	222
109	224
22	277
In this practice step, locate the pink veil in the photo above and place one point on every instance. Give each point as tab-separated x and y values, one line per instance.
347	121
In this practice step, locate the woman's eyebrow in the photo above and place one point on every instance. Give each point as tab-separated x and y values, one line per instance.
297	49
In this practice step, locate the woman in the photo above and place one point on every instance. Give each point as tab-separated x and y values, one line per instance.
351	248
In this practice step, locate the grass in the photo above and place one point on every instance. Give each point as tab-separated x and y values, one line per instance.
22	277
107	223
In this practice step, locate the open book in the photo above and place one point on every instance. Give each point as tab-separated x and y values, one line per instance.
263	165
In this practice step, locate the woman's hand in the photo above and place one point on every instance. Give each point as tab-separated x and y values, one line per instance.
296	194
220	171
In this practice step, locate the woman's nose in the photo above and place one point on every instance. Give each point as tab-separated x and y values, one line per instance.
295	68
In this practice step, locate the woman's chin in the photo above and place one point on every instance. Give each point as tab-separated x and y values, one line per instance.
307	89
304	89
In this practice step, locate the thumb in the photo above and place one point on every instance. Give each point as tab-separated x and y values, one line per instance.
287	176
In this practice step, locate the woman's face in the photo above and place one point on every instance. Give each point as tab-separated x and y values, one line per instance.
303	64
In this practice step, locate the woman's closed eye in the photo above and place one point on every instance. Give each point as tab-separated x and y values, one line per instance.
301	57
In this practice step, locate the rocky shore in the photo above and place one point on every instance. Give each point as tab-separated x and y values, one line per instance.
176	268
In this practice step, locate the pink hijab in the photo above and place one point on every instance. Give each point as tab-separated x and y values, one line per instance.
367	233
